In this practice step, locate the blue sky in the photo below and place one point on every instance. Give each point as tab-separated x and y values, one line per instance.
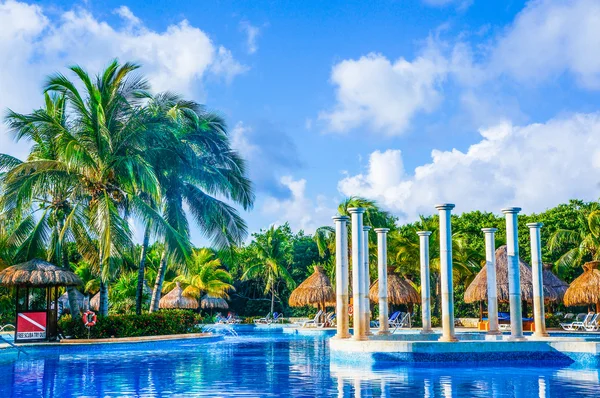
480	103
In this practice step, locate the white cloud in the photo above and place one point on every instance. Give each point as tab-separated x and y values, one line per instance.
252	33
34	44
460	4
385	95
299	211
535	167
549	38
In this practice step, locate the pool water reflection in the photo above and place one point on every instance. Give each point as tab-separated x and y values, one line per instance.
266	365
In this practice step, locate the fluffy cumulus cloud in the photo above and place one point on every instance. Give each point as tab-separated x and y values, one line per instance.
383	94
34	43
269	152
549	38
252	33
298	210
534	167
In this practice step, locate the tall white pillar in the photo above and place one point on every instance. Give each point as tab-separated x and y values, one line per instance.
492	287
383	279
358	268
367	281
446	272
514	277
538	279
425	282
341	276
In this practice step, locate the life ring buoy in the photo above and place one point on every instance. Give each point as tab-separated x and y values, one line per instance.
350	310
89	318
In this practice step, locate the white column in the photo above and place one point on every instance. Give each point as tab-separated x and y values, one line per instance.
514	282
492	287
358	301
383	280
425	282
538	279
367	281
341	276
446	272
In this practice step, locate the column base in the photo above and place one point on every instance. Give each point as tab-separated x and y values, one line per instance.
383	333
448	339
342	336
427	331
494	333
541	334
359	338
516	338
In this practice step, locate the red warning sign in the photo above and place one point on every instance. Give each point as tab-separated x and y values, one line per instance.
31	325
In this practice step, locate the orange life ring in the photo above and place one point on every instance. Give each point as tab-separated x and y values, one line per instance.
350	310
89	318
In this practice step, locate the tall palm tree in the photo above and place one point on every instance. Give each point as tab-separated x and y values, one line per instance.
272	253
584	242
200	169
205	275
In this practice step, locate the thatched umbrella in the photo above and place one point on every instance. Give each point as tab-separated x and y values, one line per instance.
210	302
63	300
477	290
38	273
400	291
557	284
176	299
315	290
95	302
586	288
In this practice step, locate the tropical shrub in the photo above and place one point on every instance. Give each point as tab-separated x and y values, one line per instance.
163	322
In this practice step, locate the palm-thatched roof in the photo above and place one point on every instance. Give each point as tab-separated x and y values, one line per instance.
95	302
586	288
315	290
176	299
38	273
477	290
210	302
63	300
559	286
400	291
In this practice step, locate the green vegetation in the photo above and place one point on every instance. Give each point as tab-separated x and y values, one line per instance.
107	153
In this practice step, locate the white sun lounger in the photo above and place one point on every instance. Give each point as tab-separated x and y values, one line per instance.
592	325
579	323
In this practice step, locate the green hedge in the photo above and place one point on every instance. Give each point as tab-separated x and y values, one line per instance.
163	322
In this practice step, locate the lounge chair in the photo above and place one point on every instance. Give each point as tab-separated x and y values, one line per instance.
263	321
277	317
568	316
329	320
316	322
402	320
592	325
220	320
578	323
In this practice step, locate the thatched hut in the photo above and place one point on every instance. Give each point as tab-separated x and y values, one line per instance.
95	302
553	281
400	291
316	290
36	283
209	302
477	290
586	288
176	299
63	301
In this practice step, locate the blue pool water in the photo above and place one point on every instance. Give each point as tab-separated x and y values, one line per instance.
265	364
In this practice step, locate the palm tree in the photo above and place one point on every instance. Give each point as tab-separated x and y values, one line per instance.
205	275
585	241
200	167
272	252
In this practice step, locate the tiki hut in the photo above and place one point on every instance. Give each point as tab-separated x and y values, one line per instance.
316	290
36	298
95	302
63	301
477	290
210	302
400	291
557	284
38	273
586	288
176	299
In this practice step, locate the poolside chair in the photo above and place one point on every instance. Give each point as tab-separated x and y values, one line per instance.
570	315
396	322
329	320
263	321
223	320
315	322
592	325
277	317
580	321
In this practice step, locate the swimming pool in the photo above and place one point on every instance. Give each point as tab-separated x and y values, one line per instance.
266	364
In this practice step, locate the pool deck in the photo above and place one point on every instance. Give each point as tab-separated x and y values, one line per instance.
120	340
471	348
